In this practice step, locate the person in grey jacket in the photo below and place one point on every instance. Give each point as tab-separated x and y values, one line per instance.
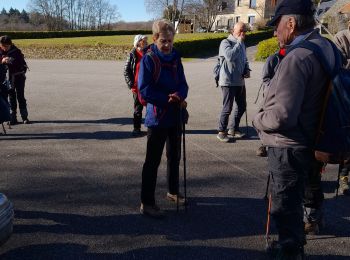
233	70
288	119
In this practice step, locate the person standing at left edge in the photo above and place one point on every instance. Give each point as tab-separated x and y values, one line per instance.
162	84
14	59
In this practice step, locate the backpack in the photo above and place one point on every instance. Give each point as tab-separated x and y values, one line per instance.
216	70
332	143
156	72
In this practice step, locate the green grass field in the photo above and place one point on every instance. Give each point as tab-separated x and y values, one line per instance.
118	40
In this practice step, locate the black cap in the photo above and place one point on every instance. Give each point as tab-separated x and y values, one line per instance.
285	7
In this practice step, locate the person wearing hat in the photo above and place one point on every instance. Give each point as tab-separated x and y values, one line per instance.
131	70
288	117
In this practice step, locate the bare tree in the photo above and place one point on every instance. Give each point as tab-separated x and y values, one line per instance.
76	14
169	9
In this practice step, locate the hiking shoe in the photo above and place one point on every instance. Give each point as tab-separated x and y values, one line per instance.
277	252
238	134
136	132
26	121
152	211
344	186
312	228
222	136
13	121
231	132
262	151
175	197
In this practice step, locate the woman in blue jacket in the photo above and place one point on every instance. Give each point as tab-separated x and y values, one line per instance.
162	84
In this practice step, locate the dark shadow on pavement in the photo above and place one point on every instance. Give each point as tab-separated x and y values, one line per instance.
77	251
100	135
115	121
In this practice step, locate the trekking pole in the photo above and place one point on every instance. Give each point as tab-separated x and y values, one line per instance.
267	234
267	187
184	161
246	123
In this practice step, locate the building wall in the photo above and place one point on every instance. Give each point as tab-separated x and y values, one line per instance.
264	10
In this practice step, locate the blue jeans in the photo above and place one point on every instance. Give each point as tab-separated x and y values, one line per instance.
230	95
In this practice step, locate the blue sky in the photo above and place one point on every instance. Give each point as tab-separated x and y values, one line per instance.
130	10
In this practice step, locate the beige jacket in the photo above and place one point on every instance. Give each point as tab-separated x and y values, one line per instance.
342	40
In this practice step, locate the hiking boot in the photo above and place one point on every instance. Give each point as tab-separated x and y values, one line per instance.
222	136
344	186
277	252
152	211
238	134
26	121
262	152
13	120
175	197
136	132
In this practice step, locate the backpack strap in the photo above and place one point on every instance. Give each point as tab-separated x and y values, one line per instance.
320	55
157	64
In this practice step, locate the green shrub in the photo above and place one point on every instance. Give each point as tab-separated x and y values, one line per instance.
210	46
266	48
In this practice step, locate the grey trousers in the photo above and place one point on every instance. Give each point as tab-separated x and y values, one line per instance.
231	95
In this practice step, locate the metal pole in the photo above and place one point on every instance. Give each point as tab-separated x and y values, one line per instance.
184	161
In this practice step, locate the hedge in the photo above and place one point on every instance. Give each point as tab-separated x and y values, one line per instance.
68	34
189	48
266	48
204	47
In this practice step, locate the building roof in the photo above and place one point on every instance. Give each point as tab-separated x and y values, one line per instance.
337	6
345	9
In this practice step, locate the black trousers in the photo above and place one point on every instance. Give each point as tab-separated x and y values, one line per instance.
138	107
17	94
296	180
156	138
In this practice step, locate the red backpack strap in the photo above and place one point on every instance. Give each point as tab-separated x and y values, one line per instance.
157	65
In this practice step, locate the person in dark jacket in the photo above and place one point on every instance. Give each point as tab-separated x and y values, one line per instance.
14	59
131	70
162	84
288	116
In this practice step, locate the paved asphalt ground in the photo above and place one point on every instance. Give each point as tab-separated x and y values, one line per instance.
74	175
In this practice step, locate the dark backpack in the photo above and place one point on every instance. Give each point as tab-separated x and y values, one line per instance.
332	143
216	70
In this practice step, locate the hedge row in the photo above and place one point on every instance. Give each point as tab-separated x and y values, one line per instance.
189	48
266	48
207	47
68	34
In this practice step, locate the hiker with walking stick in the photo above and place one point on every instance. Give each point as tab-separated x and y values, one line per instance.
162	84
288	116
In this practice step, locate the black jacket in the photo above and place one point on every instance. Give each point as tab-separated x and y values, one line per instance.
17	63
129	68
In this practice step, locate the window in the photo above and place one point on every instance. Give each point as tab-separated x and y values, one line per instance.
237	19
238	2
229	23
252	4
251	19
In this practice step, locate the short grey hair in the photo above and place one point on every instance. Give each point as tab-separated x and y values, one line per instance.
162	26
303	22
